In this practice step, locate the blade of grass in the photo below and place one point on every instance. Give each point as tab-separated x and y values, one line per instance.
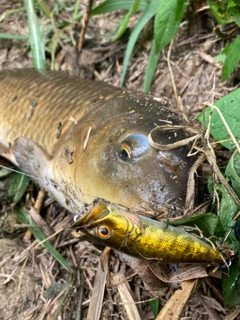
45	8
38	234
109	6
77	5
63	300
9	12
145	17
17	186
151	67
155	306
113	5
36	44
122	26
13	36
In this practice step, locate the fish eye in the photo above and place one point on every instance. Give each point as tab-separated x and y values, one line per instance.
125	153
104	232
133	146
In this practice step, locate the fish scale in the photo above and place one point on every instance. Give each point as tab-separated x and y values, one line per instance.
21	87
45	118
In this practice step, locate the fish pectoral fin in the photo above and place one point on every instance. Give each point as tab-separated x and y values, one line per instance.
3	149
30	157
6	152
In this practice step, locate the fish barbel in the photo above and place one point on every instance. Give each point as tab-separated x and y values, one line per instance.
139	236
83	139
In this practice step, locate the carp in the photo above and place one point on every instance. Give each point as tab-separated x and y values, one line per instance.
84	140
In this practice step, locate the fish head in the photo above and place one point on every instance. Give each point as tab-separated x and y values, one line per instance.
116	162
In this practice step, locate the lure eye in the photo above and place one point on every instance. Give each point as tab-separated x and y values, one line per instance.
133	146
104	232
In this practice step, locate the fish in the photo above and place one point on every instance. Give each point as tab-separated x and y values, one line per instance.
139	236
84	139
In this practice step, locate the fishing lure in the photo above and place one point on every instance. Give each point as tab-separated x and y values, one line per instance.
142	237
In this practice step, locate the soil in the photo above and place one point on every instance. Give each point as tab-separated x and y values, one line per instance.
32	282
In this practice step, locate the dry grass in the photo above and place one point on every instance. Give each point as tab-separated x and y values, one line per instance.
32	283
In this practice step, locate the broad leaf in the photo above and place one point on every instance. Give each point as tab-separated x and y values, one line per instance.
232	57
167	21
229	106
231	285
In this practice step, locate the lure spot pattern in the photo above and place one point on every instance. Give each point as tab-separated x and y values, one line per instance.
143	237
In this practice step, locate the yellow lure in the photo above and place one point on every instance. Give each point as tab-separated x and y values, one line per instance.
142	237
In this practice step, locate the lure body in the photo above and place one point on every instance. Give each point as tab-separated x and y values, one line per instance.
142	237
84	139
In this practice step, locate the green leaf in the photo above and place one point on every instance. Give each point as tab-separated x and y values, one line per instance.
235	13
114	5
205	222
215	225
5	172
151	67
230	109
228	208
225	11
124	22
167	21
219	10
145	17
18	185
155	306
231	285
109	6
233	172
10	12
220	58
221	4
232	57
13	36
166	24
36	44
38	234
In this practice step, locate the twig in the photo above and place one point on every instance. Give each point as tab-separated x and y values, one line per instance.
179	105
176	144
84	25
190	196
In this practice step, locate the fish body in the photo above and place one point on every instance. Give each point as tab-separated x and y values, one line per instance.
139	236
84	139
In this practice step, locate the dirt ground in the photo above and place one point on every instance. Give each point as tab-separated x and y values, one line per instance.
32	283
